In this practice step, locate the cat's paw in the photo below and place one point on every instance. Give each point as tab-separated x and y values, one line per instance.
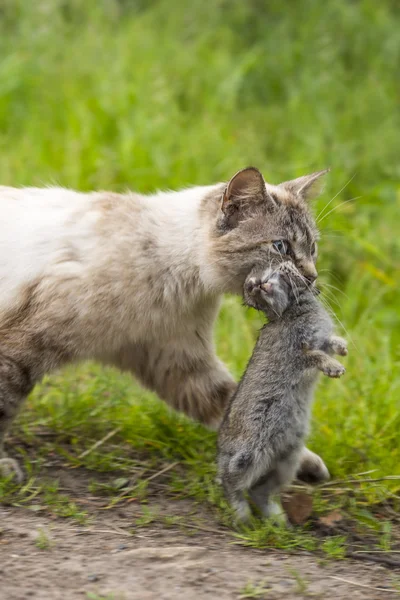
333	369
339	346
8	467
312	468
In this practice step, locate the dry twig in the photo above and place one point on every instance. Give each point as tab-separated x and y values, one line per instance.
99	442
368	587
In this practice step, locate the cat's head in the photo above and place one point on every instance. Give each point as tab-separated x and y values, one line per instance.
277	291
258	226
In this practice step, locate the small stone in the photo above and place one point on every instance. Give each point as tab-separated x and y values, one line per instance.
93	577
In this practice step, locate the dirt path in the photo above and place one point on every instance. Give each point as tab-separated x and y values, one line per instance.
102	560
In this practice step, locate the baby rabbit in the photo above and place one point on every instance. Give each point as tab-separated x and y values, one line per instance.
267	421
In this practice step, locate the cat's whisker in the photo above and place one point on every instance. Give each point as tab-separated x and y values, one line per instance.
347	333
291	284
331	312
328	230
339	205
334	287
331	299
325	271
331	236
295	289
331	274
277	314
324	301
334	198
329	309
325	288
305	281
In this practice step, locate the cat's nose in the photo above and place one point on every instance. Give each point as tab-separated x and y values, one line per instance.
310	272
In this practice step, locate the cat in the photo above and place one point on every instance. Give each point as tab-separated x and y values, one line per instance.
135	281
262	434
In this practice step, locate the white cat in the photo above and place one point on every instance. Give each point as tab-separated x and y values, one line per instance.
136	281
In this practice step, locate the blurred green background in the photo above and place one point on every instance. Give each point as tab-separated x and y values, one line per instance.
108	94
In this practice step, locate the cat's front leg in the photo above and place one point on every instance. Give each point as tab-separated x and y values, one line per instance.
189	377
15	384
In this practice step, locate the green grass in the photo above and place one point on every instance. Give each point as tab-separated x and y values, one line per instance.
251	590
42	541
147	95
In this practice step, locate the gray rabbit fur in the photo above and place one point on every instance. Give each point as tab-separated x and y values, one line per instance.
267	420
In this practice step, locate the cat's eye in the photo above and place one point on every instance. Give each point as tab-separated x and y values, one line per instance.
280	246
313	248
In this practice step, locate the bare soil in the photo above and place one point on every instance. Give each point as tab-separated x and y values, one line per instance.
111	558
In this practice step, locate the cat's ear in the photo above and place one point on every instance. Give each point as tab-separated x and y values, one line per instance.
306	187
244	190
